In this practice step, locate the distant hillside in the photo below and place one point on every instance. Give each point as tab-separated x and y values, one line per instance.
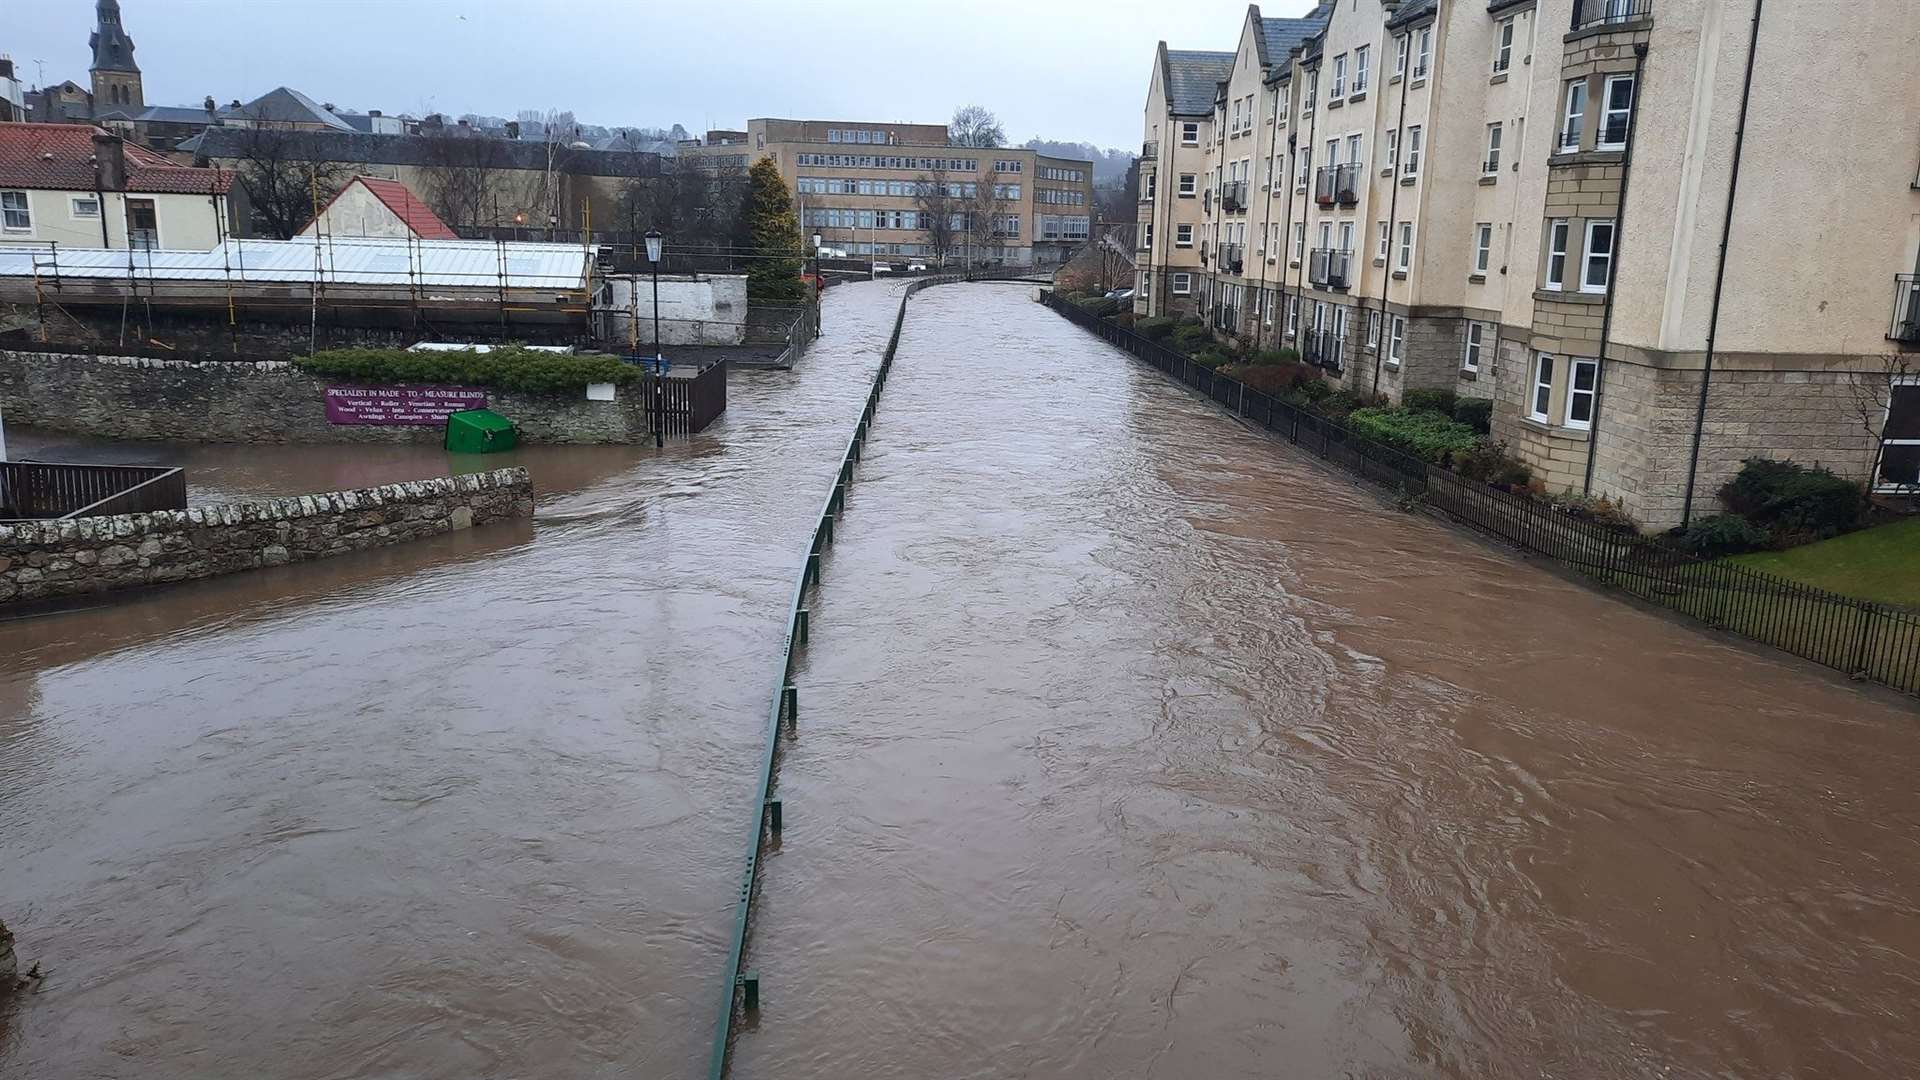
1109	166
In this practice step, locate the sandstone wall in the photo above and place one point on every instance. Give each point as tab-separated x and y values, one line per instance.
45	559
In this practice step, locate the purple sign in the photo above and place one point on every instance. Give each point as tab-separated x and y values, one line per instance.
400	405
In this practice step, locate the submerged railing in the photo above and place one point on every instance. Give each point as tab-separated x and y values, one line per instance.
31	490
1865	640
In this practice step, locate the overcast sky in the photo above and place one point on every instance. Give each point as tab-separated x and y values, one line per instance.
1058	69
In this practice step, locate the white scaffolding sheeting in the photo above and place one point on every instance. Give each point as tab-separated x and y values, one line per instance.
356	261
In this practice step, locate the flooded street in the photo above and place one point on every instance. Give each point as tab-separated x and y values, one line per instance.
1133	744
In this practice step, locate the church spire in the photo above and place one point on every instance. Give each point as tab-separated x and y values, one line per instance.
112	48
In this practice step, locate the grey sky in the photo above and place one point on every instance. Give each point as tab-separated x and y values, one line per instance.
1059	69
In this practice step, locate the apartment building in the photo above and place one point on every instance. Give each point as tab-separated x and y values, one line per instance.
857	186
1605	215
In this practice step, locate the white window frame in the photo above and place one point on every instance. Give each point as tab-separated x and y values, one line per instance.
1385	241
1415	139
1403	259
1569	116
1482	246
1339	76
1475	344
1886	424
1541	385
1188	185
1183	234
1149	236
1293	316
1299	241
1189	133
1362	68
1575	395
1373	330
1559	232
1607	112
1393	149
1425	58
1496	134
25	209
1182	283
1587	256
1503	44
73	207
1396	340
1402	44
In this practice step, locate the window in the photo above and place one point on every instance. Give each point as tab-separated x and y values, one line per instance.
1299	240
1399	56
1183	235
1326	234
1380	253
1146	283
14	215
1362	58
1283	103
1340	76
1353	150
1346	238
1186	185
1482	246
1182	284
1189	133
1149	243
1576	116
1413	152
1293	315
1580	393
1313	90
1396	340
1598	263
1475	343
1616	112
1557	253
1426	53
1393	148
1542	398
1900	436
1492	165
1503	46
833	134
1406	247
1373	330
86	207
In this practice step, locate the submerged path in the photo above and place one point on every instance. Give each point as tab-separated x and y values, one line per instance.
1138	745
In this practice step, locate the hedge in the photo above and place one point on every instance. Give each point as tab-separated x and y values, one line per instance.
1794	502
507	368
1430	436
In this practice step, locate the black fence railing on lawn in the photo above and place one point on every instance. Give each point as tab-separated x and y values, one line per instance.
1863	639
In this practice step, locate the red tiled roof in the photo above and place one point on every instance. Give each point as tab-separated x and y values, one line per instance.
408	207
59	157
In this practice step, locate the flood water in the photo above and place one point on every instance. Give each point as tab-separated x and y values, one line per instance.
1132	744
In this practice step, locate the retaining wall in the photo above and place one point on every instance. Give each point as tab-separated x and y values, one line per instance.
263	402
45	559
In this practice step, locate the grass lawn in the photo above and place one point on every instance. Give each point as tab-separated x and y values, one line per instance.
1873	564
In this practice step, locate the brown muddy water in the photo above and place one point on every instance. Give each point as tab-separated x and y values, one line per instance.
1132	744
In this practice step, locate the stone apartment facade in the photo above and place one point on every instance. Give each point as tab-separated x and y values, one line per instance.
853	184
1527	200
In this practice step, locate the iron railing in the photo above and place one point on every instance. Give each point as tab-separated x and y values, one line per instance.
1232	258
1324	184
1324	348
41	489
1613	133
1346	183
1233	196
1328	268
1865	640
1567	141
1906	309
1150	150
1610	12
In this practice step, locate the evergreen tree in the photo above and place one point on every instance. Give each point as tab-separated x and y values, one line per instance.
774	277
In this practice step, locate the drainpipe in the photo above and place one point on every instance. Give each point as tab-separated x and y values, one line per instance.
1613	272
1300	287
1266	227
1393	211
1163	179
1720	273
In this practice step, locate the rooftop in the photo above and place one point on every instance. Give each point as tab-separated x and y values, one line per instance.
1192	78
59	157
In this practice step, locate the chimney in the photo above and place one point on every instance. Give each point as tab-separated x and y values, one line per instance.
464	124
110	156
375	113
513	129
6	67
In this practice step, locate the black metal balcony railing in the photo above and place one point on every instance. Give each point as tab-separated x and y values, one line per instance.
1323	348
1206	201
1613	132
1489	166
1232	258
1906	309
1233	196
1323	184
1567	142
1346	183
1150	150
1609	12
1329	268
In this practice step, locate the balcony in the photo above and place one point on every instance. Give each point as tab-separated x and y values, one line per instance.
1906	309
1610	12
1322	348
1567	142
1232	258
1329	268
1150	150
1613	133
1233	196
1324	184
1206	201
1346	183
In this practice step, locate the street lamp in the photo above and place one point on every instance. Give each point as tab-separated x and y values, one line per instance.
816	257
659	361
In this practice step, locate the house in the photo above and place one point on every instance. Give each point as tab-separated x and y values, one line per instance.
285	109
13	103
86	187
369	206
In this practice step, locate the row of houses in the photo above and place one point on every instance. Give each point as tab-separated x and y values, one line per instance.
1662	235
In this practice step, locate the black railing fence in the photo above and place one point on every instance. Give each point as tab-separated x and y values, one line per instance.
1865	640
1610	12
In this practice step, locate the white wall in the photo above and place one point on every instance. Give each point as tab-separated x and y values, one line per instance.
187	222
359	212
698	309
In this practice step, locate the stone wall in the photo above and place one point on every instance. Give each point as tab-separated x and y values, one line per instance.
695	309
264	402
47	559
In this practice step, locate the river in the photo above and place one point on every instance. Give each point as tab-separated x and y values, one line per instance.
1132	744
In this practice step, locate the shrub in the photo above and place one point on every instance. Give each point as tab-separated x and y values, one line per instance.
1428	435
1273	378
1311	391
1190	336
1276	356
1491	464
1440	401
1157	327
1793	501
1598	509
1722	534
1339	404
1476	413
508	369
1210	358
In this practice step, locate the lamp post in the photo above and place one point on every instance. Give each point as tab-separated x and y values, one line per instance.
659	361
816	256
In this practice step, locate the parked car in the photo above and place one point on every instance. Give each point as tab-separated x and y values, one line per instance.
882	268
1120	294
916	268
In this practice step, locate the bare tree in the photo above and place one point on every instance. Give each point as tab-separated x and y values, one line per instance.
461	177
942	210
987	211
284	187
975	125
1874	393
695	203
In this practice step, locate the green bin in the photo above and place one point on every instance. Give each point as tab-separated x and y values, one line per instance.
479	431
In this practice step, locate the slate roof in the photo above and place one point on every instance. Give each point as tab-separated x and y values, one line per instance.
1411	12
59	157
1278	37
356	148
284	105
1192	79
407	207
